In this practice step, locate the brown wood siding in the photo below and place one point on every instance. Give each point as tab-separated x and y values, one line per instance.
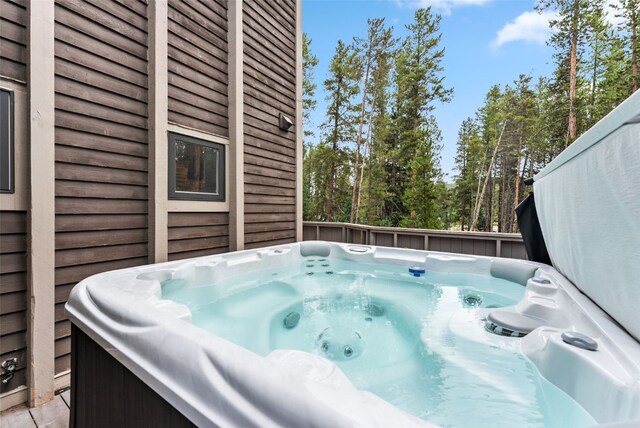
197	234
13	293
13	39
269	31
101	146
198	65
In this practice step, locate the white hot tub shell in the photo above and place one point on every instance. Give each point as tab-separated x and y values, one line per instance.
214	382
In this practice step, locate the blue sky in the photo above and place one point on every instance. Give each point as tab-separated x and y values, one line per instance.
487	42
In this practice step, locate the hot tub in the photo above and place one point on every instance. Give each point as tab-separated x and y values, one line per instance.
327	334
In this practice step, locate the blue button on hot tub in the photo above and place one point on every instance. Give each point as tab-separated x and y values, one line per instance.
417	270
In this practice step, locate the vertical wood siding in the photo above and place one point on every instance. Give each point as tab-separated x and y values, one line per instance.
13	39
197	234
269	31
101	145
198	71
13	293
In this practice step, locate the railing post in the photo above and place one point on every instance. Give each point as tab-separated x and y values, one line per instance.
426	242
395	240
498	247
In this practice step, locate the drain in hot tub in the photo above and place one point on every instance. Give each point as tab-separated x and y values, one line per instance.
291	320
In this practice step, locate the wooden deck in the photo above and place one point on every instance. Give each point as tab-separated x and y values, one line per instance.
54	414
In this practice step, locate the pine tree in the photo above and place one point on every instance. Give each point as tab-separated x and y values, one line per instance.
374	49
339	128
616	81
568	39
375	179
309	62
599	41
492	123
309	102
629	11
378	160
419	84
468	154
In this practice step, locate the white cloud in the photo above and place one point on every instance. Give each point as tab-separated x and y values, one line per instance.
442	6
529	27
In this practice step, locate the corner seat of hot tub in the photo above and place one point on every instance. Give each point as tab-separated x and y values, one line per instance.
210	381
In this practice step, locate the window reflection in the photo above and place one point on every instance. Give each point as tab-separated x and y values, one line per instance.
196	168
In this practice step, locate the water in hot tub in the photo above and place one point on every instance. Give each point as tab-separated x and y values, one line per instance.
417	342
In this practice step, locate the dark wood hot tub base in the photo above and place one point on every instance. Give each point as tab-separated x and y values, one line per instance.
104	393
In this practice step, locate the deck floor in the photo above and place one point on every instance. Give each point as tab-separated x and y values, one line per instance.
54	414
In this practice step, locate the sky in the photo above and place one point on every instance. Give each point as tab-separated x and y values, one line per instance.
486	42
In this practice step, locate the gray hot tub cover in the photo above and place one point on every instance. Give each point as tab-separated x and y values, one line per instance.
588	204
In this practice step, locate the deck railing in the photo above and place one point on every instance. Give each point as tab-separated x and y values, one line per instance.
507	245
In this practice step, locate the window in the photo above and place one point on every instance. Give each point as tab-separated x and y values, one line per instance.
196	168
6	141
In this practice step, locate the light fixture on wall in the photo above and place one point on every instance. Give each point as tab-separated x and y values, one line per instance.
285	123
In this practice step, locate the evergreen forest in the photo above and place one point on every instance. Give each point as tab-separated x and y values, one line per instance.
377	156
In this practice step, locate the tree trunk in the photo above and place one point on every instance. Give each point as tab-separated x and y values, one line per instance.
573	66
634	48
516	198
355	196
488	224
503	219
476	211
594	77
368	214
474	204
366	144
334	168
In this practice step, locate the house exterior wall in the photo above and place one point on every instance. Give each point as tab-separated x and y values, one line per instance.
13	207
101	146
13	293
198	65
123	75
13	39
193	234
269	32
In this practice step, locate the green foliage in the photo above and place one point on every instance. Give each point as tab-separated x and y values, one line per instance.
415	140
378	159
309	102
376	52
338	131
309	62
468	162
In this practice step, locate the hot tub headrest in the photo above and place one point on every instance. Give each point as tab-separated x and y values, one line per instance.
512	270
315	248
